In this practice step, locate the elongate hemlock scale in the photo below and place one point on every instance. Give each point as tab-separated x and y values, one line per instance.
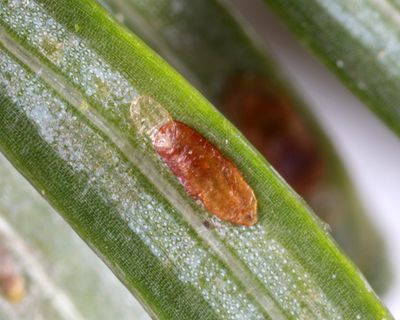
267	118
205	173
12	282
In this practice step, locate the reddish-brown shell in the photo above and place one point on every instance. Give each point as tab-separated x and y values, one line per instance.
206	174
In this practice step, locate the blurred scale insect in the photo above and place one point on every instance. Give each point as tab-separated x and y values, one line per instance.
268	120
205	173
12	283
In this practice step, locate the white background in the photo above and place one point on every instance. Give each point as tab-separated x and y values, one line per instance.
370	151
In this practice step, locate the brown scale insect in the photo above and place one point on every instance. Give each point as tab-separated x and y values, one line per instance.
12	283
268	120
205	173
